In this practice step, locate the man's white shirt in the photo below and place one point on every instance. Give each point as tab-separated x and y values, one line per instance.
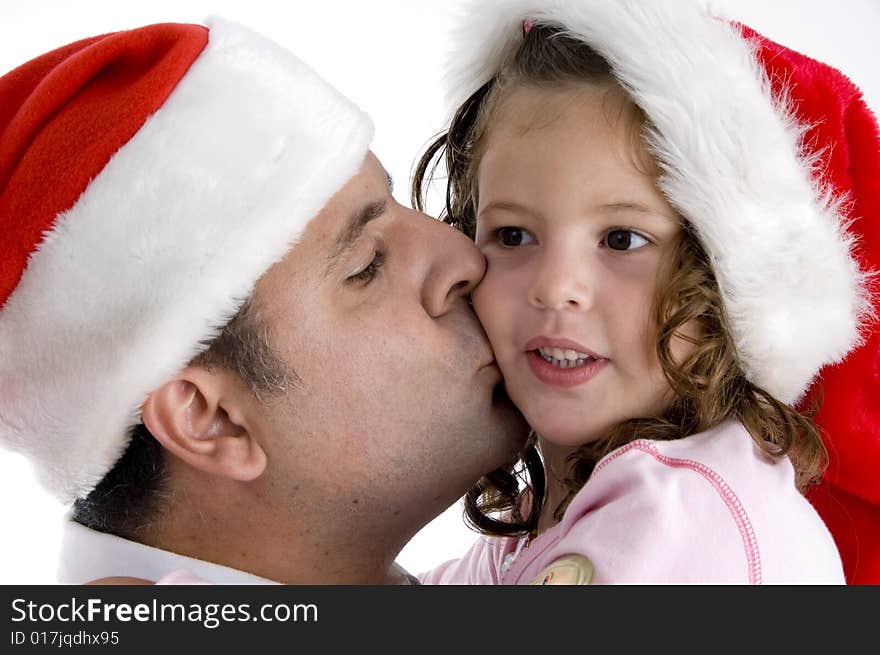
88	555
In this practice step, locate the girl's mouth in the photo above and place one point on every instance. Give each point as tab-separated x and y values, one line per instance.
564	358
564	368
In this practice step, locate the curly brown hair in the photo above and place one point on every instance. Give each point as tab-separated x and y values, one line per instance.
709	384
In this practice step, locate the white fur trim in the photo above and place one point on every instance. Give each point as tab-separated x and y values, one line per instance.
163	246
733	165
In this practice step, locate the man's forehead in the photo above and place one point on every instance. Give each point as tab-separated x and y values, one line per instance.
369	184
336	228
373	164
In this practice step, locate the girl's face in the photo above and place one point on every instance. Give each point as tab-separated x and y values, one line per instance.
574	234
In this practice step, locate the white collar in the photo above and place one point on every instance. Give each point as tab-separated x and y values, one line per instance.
87	555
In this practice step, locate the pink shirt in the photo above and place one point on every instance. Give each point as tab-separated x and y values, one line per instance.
708	509
181	577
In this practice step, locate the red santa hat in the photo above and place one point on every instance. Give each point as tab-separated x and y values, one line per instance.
148	178
774	158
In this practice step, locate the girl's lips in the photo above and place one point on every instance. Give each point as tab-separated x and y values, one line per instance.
564	344
563	377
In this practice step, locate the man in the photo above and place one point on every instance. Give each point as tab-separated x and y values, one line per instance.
220	336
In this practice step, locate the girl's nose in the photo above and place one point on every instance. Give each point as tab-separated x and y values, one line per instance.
562	283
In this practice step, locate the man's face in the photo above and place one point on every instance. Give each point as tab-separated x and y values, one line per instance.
393	411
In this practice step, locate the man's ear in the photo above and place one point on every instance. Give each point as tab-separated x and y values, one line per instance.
199	416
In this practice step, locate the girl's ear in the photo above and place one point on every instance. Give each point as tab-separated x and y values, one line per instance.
199	416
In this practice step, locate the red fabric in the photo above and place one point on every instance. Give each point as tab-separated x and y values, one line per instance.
853	523
65	114
845	131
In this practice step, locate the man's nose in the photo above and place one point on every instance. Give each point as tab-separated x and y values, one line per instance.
455	266
561	282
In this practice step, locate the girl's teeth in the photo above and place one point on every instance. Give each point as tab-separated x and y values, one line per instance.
559	353
560	358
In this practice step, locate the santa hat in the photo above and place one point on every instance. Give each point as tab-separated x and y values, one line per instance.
148	178
774	158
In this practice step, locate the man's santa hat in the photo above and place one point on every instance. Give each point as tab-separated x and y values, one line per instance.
148	178
774	158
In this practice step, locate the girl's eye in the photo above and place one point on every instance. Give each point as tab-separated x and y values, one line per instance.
624	240
514	236
367	273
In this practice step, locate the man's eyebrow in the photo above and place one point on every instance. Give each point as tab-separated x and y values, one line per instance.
354	226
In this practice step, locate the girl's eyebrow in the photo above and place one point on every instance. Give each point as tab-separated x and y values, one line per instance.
610	208
627	206
506	205
615	207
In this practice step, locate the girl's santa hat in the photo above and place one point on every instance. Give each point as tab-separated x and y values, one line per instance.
774	158
148	178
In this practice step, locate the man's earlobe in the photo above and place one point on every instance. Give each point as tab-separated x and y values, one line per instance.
190	417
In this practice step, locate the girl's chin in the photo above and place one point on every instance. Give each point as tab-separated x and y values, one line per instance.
564	424
572	438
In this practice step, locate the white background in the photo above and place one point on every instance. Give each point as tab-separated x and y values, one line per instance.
388	56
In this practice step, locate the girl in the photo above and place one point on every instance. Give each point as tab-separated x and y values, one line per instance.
666	277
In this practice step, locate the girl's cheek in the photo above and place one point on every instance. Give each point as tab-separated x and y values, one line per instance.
484	299
502	294
495	304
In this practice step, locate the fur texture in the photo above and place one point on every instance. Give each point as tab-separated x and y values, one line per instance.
163	246
734	165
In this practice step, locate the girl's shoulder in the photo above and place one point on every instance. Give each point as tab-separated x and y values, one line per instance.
718	486
720	477
726	451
